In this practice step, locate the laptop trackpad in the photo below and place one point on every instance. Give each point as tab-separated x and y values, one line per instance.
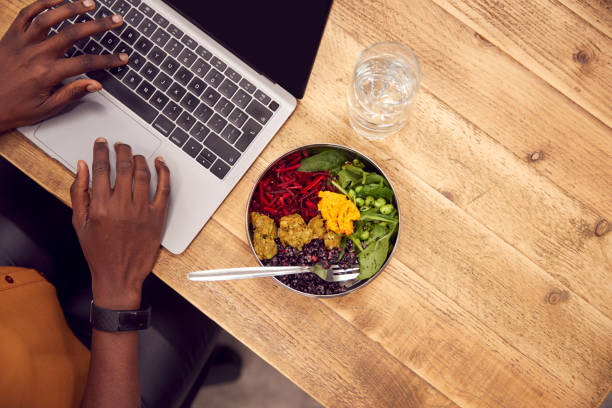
71	135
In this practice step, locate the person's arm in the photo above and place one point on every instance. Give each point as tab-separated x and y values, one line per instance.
32	66
120	232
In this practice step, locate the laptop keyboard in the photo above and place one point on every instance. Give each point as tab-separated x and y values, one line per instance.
176	85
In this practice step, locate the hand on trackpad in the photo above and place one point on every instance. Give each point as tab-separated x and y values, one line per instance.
71	135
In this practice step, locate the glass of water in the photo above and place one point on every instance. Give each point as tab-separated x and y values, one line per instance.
386	78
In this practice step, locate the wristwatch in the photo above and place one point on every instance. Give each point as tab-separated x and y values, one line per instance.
119	320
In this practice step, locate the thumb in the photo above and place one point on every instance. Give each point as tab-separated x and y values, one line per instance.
68	93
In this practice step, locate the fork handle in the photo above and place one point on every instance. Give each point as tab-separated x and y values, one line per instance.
245	273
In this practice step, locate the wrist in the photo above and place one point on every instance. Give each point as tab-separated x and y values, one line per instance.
121	299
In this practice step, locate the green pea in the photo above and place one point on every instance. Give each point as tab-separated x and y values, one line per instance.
358	189
380	202
359	202
386	209
364	235
369	200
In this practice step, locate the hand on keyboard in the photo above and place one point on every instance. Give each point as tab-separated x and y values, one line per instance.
34	59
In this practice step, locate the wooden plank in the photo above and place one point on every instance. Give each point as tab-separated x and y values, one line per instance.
597	12
570	55
493	91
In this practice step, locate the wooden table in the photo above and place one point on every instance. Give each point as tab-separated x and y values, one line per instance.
499	294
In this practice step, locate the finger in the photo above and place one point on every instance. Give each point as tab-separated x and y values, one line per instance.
100	171
66	94
74	32
142	180
41	24
162	195
79	194
27	14
125	172
70	67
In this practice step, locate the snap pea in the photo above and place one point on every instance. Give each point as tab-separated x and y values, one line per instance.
380	202
386	209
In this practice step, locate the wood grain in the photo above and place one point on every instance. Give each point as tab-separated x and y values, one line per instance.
498	295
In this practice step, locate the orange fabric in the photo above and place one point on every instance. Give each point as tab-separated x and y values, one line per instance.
42	364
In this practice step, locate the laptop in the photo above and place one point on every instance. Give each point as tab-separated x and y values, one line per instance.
208	84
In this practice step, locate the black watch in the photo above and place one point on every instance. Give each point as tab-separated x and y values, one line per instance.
119	320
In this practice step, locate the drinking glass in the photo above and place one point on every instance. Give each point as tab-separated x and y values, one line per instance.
386	78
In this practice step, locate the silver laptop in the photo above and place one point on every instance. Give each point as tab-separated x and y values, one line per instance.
209	83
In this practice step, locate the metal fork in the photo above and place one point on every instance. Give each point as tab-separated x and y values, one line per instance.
333	274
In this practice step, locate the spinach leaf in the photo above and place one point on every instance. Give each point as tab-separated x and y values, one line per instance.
374	215
348	179
377	191
331	160
372	258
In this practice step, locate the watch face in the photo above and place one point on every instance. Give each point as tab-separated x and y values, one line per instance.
133	320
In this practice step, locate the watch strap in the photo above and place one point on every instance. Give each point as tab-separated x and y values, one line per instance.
119	320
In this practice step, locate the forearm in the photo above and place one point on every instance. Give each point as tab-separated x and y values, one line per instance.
113	371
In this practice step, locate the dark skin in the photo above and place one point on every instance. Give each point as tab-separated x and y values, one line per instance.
119	227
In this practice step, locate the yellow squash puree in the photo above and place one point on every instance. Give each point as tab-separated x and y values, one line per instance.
338	211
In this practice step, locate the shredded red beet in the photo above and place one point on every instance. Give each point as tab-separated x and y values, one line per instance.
284	191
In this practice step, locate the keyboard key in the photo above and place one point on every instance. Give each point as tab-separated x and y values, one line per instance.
147	27
202	160
233	75
175	31
221	148
107	2
134	3
203	52
200	68
121	7
227	88
51	33
217	63
110	41
160	37
69	52
132	79
199	131
208	155
187	58
210	96
186	121
103	13
162	81
173	47
190	102
173	110
160	20
93	48
157	55
189	42
143	45
214	78
262	97
164	125
149	71
125	95
170	66
183	76
224	107
237	118
259	112
241	99
145	90
273	105
179	137
216	123
119	71
136	61
83	18
247	86
231	134
249	131
219	169
134	17
123	47
203	113
130	35
176	92
192	147
196	86
159	100
148	11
